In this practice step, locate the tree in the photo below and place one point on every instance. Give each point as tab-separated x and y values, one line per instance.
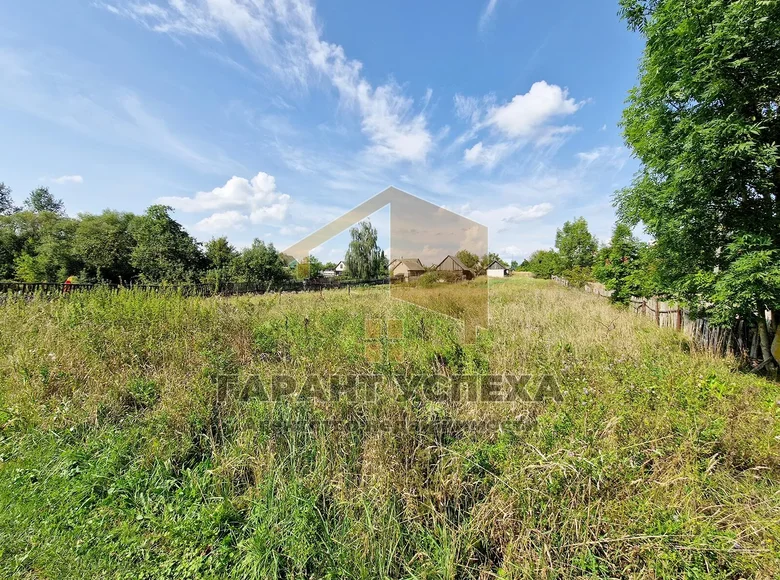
704	124
41	200
617	262
104	245
6	201
576	245
365	260
42	245
514	265
468	259
545	263
219	256
309	267
164	251
260	263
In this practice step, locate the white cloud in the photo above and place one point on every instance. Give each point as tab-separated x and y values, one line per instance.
68	179
238	202
487	156
610	156
221	222
283	37
512	252
527	115
487	14
501	218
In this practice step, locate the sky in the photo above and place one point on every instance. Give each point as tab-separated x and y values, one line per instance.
270	118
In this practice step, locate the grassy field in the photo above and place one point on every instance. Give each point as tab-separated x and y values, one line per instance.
117	460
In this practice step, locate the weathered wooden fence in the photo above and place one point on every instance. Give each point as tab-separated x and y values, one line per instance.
222	289
741	339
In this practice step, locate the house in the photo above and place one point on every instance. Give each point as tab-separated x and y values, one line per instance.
392	265
409	269
340	268
328	273
452	264
497	270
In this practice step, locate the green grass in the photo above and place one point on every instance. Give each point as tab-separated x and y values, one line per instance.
116	461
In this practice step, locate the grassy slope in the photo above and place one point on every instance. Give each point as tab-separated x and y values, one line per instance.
114	461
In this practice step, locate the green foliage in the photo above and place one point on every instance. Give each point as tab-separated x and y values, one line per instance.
41	200
310	267
364	259
469	259
164	251
626	266
752	281
260	263
545	263
220	256
104	245
704	123
6	201
576	245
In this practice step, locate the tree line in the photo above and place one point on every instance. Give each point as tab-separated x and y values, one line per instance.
704	122
40	243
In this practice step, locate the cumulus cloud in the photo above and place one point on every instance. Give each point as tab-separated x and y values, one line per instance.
528	118
525	116
283	37
68	179
237	203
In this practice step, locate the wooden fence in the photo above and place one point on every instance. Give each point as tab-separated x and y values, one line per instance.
741	339
223	289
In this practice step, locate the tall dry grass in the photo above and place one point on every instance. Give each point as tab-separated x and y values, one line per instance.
118	459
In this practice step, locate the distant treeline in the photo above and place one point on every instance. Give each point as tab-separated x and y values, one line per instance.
40	243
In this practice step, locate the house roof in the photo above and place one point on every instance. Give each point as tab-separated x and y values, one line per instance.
460	265
342	264
500	263
413	264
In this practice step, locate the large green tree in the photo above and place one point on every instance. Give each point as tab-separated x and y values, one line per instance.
104	245
260	263
365	260
220	256
164	251
576	245
41	199
705	123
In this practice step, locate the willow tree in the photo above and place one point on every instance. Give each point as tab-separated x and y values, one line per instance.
364	259
704	122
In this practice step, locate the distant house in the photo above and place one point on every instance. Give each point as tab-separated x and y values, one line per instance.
409	269
452	264
497	270
340	268
328	273
392	265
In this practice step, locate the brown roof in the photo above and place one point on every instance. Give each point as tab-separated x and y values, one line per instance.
460	265
413	264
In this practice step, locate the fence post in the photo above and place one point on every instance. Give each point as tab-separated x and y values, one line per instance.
644	307
679	318
658	312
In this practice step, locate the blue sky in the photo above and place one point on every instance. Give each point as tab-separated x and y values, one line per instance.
268	119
